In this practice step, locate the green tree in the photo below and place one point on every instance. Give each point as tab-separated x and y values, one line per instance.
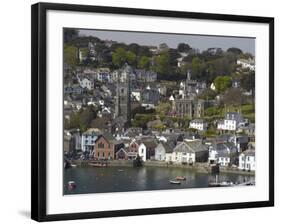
87	115
234	50
233	97
163	108
74	122
222	83
159	127
70	55
162	62
119	57
182	47
131	57
197	67
135	48
207	94
144	62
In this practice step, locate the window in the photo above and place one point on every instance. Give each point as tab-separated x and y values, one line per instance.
101	145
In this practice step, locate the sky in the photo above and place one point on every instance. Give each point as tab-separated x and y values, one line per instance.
200	42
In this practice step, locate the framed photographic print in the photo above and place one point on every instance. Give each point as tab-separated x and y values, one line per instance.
139	111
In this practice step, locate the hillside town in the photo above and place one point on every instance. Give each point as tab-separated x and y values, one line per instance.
128	113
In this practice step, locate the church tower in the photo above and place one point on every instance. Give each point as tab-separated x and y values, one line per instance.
123	94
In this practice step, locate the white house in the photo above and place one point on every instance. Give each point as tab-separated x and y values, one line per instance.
247	63
136	94
182	153
142	152
198	124
222	153
88	139
86	83
247	160
213	87
231	121
162	149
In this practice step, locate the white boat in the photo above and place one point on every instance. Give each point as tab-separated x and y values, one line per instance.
175	182
71	185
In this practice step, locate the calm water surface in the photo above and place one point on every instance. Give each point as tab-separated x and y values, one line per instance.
111	179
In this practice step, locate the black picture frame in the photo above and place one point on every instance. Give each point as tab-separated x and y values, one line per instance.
39	108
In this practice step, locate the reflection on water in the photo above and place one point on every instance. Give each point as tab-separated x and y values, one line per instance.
112	179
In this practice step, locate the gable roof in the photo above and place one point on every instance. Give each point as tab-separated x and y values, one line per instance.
198	121
167	146
197	146
150	144
91	131
183	147
125	150
225	149
108	137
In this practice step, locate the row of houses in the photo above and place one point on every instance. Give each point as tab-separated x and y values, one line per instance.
233	121
103	146
108	76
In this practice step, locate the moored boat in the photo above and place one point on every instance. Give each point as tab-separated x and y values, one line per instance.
98	164
175	182
180	178
71	185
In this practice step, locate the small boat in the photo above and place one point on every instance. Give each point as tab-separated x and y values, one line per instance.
249	183
226	184
98	164
73	165
220	184
180	178
175	182
120	170
71	185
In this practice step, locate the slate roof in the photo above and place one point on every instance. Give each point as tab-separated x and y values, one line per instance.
198	121
109	138
224	149
150	144
91	131
183	147
249	152
197	146
168	146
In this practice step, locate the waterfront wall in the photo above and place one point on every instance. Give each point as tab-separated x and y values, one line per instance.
197	167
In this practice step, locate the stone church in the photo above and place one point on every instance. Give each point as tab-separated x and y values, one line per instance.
187	104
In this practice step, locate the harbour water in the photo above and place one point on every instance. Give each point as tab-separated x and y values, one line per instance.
124	179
